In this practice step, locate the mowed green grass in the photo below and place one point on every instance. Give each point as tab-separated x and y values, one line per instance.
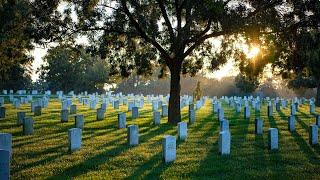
105	153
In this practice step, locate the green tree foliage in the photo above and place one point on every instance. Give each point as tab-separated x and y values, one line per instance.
298	58
301	67
14	43
70	68
23	23
17	79
246	84
138	36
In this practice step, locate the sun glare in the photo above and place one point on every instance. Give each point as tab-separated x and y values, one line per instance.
253	52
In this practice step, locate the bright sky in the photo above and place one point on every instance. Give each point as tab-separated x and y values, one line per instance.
38	54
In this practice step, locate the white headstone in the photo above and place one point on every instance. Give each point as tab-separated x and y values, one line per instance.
164	110
4	164
246	112
192	116
6	142
313	134
64	115
224	125
220	114
73	109
224	142
270	110
293	109
27	126
121	120
312	108
79	121
182	130
74	135
291	123
273	141
133	135
258	126
135	112
20	117
156	117
100	114
169	148
318	120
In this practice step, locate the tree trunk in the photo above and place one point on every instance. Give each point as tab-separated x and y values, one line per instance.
318	95
174	114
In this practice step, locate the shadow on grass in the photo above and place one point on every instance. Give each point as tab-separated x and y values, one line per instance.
306	149
42	161
156	165
275	156
94	162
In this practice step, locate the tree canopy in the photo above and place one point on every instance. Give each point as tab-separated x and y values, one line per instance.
138	36
71	68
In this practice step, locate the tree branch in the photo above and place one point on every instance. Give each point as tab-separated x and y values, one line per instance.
143	33
166	19
178	10
200	40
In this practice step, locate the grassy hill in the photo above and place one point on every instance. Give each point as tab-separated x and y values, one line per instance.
105	153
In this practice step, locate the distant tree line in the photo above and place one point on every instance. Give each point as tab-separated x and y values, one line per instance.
70	68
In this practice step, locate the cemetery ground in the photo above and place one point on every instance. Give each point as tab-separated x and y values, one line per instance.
106	154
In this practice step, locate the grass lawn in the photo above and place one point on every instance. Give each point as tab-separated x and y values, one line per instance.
105	153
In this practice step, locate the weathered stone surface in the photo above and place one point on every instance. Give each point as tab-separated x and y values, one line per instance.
182	130
220	114
318	120
121	120
156	117
27	126
192	116
4	164
164	111
246	112
270	111
73	109
37	111
20	117
116	104
79	121
133	135
313	134
293	110
135	112
64	115
224	125
291	123
169	148
273	139
224	142
74	135
258	126
100	114
6	142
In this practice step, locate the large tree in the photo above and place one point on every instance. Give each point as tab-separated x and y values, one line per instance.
171	33
298	56
14	42
22	24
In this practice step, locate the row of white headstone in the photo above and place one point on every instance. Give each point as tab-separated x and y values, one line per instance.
169	142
